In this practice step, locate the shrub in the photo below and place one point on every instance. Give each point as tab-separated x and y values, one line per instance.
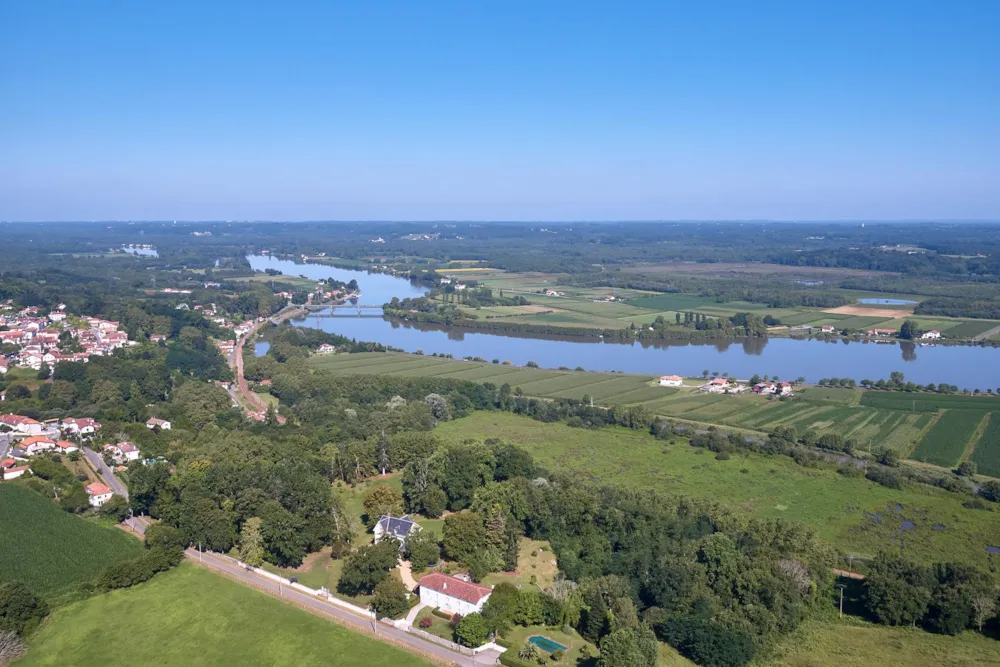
20	609
441	614
425	622
723	456
850	470
885	477
471	631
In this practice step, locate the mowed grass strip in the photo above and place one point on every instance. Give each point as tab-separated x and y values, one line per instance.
50	550
986	455
946	441
191	617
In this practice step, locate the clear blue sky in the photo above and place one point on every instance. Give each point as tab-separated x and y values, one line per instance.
502	109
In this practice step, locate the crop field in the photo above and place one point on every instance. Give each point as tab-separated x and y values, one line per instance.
867	323
759	485
51	550
919	402
945	443
970	329
986	455
682	302
190	616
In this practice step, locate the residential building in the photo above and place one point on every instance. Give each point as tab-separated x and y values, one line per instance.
36	444
452	595
99	494
66	447
161	424
81	425
123	452
930	335
398	527
13	472
671	380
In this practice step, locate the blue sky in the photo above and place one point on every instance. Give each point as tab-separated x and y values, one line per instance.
502	110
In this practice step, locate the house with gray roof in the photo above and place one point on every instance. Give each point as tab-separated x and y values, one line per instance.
397	527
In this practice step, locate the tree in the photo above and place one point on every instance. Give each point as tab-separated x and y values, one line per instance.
472	631
12	647
629	647
75	499
464	535
500	609
283	534
438	406
967	469
117	509
529	607
390	599
382	500
897	592
422	550
529	652
897	377
367	566
165	536
984	606
252	543
20	610
909	330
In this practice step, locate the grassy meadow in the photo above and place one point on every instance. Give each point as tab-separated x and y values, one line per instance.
190	616
841	509
50	550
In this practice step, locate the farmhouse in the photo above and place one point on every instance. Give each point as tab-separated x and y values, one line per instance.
452	595
828	328
930	335
99	494
161	424
400	528
13	472
671	380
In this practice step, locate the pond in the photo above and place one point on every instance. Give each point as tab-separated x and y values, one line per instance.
546	644
963	366
887	302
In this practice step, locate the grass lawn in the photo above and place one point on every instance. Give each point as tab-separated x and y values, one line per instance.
535	558
572	641
51	550
760	485
439	626
853	643
190	616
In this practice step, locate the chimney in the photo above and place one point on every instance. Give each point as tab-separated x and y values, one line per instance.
444	586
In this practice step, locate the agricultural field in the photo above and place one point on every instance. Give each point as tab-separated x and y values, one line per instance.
986	455
604	388
945	443
221	623
676	302
970	329
50	550
927	402
762	486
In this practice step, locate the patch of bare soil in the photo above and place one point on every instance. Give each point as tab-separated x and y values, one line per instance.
870	312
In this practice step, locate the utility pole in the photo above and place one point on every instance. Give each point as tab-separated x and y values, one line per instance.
841	587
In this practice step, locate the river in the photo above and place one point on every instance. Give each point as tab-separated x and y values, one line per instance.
964	366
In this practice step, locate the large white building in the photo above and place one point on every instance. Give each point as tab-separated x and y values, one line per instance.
453	595
671	381
398	527
99	494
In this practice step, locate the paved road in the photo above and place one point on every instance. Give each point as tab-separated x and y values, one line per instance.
5	442
360	623
987	334
138	523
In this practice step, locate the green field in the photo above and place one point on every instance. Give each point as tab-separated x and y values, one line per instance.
190	616
970	329
986	456
927	402
770	486
945	443
681	302
854	643
604	388
50	550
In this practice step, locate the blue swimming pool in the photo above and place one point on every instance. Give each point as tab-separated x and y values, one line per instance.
546	644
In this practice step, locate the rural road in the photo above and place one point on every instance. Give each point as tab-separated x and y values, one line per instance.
359	623
236	363
136	523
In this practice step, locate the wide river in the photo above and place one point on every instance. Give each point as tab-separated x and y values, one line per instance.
966	367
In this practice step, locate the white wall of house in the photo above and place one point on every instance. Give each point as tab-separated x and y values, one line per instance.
99	499
447	603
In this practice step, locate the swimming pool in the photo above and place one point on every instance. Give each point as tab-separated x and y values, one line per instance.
546	644
888	302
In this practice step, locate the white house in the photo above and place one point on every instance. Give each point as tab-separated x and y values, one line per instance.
398	527
4	365
928	335
83	426
36	444
67	447
99	494
671	380
123	452
20	424
452	595
14	472
162	424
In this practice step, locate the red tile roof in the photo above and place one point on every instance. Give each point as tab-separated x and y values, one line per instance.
97	489
456	588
